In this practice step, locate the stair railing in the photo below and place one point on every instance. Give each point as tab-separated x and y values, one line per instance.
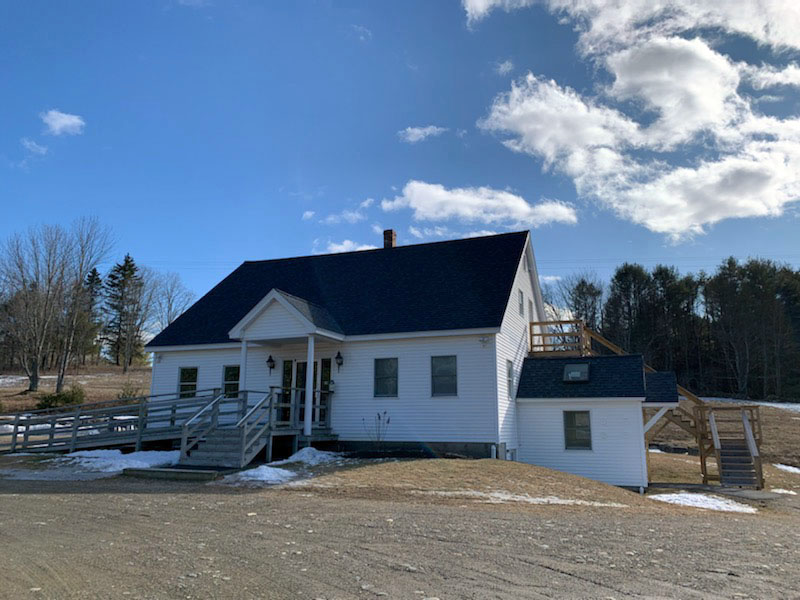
712	424
199	425
254	425
752	447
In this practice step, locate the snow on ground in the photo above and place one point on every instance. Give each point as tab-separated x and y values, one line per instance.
262	474
705	501
502	497
782	491
655	451
790	406
787	468
114	461
311	457
86	464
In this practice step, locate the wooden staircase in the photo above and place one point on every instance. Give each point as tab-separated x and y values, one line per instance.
736	450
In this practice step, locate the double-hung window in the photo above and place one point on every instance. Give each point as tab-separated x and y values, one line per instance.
521	298
444	376
230	381
187	381
510	378
577	430
385	377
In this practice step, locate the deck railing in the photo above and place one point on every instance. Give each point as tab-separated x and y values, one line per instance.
567	337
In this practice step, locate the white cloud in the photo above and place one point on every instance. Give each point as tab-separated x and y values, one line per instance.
688	85
348	246
349	216
767	76
59	123
434	202
755	173
478	9
377	229
362	33
32	147
309	214
504	68
607	24
412	135
672	143
445	232
549	279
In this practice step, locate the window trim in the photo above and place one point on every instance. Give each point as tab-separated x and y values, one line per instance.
567	448
375	393
454	394
180	382
510	378
521	302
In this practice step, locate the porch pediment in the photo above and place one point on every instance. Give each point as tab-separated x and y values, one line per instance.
280	315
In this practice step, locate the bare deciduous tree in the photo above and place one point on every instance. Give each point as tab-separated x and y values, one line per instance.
33	272
171	299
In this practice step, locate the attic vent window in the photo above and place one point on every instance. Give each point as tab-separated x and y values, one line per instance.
578	372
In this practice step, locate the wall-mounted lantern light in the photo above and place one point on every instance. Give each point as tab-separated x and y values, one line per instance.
339	361
270	363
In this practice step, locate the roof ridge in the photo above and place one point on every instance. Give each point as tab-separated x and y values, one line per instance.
440	242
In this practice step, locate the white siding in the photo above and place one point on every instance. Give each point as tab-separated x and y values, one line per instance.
415	414
617	455
275	322
512	344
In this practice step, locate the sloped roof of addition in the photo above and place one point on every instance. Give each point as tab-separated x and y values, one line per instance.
458	284
617	376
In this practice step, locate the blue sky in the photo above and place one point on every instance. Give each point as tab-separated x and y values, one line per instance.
208	133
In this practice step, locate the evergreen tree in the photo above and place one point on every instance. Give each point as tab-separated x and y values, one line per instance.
122	291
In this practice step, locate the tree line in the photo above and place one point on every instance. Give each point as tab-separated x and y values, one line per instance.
734	332
57	310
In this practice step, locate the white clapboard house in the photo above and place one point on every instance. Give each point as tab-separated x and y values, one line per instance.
440	347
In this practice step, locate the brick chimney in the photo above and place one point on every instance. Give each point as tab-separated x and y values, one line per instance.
389	238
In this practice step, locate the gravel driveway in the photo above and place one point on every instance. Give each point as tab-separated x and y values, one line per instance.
125	538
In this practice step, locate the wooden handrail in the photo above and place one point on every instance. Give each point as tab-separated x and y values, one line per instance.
752	447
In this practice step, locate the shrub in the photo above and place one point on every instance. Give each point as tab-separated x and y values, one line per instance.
74	395
128	391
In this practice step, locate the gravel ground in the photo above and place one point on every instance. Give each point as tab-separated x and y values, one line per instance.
127	538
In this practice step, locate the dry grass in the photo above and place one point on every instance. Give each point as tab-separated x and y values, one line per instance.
682	468
101	382
451	481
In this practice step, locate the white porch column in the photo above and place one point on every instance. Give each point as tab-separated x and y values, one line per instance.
243	367
309	405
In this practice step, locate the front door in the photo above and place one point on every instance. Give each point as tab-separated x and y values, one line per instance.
322	368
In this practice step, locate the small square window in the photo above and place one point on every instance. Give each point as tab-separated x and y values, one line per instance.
577	430
576	373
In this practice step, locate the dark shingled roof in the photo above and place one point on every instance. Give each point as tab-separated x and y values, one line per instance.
662	386
609	377
459	284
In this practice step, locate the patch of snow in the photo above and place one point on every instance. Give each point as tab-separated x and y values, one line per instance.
787	468
782	491
656	451
704	501
501	497
114	461
262	474
311	457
